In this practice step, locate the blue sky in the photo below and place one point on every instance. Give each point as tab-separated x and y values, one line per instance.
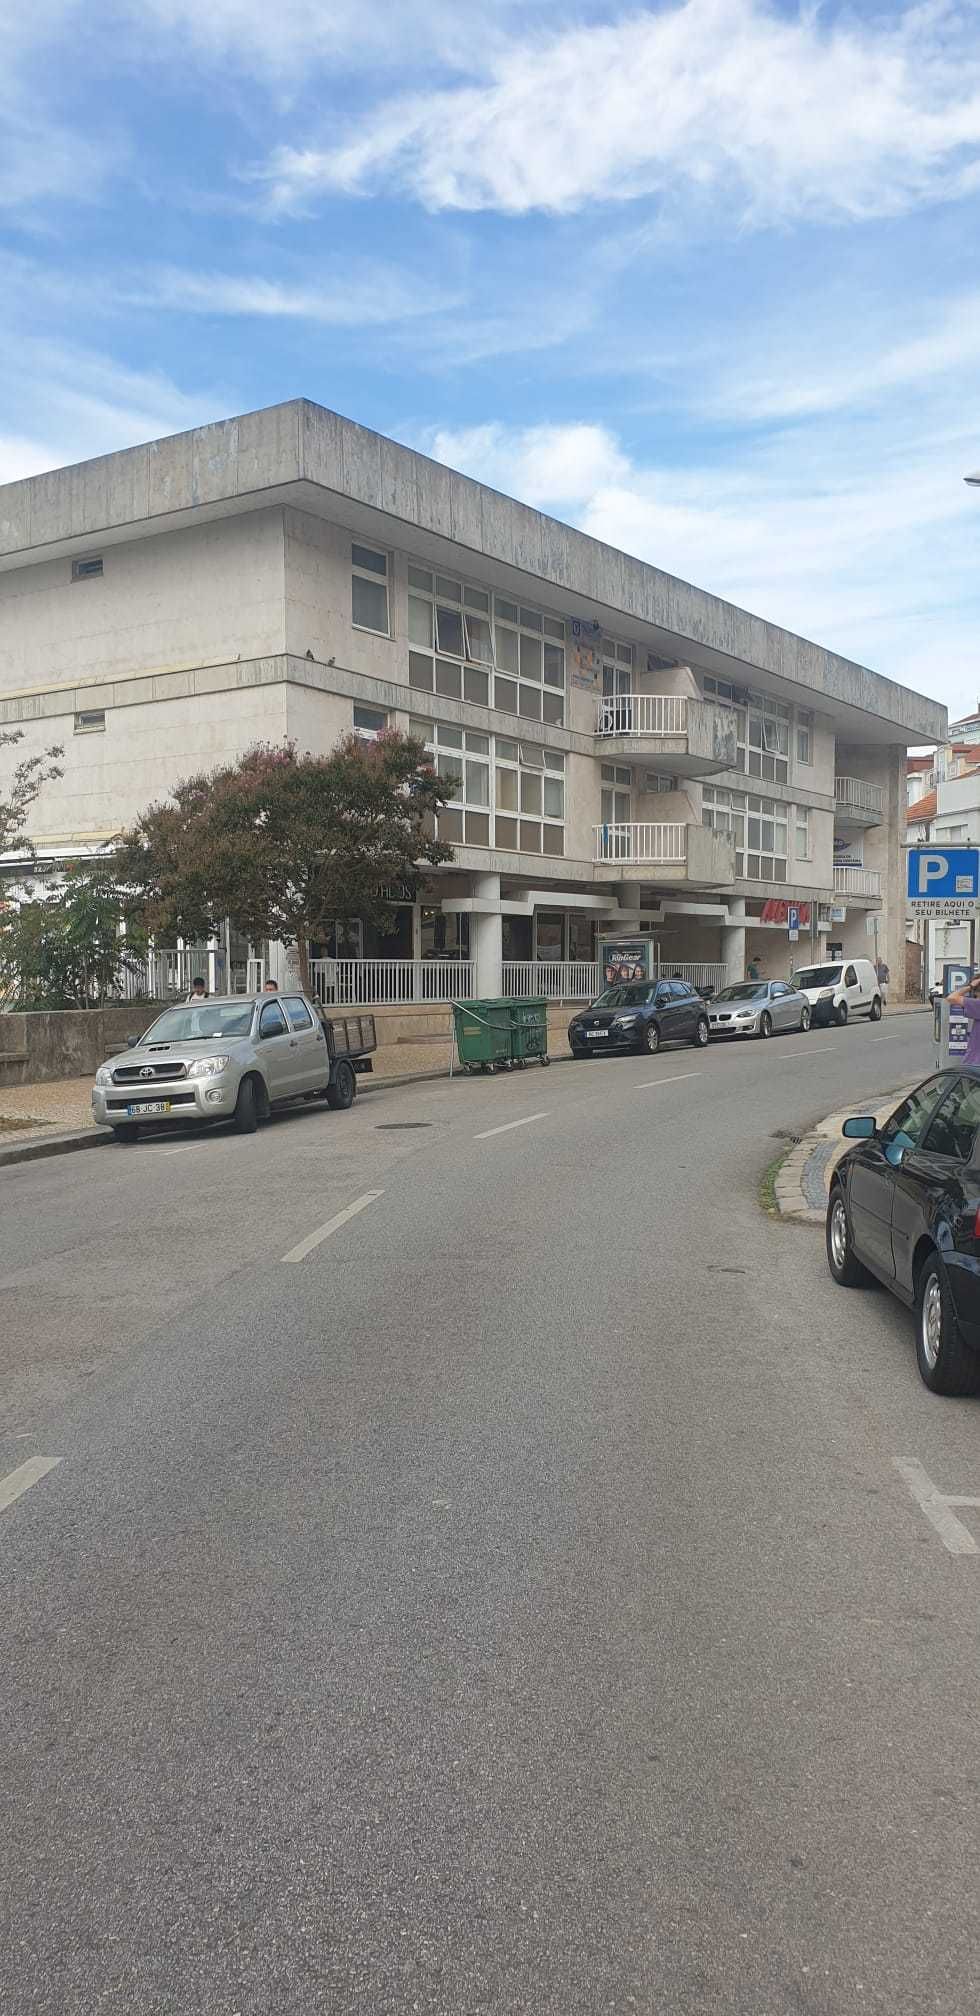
700	277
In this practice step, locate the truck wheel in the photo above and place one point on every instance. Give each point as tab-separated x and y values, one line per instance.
342	1090
246	1118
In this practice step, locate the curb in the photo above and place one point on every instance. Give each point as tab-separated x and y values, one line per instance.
802	1182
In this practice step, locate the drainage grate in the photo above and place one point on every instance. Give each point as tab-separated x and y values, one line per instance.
400	1126
786	1134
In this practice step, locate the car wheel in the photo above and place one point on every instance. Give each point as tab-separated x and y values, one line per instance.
846	1270
876	1009
841	1015
945	1363
805	1020
765	1023
126	1136
651	1039
702	1032
342	1092
246	1118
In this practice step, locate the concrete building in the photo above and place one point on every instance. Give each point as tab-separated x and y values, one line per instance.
947	815
630	750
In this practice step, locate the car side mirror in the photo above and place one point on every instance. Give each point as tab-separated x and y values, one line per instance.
861	1128
131	1042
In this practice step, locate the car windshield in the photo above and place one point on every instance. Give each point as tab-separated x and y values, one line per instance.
816	976
201	1022
748	990
634	996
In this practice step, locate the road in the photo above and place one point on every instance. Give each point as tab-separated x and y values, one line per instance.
510	1603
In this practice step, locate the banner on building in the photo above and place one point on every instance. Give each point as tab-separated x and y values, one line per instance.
585	652
777	910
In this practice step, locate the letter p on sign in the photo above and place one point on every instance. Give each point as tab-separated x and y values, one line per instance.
932	868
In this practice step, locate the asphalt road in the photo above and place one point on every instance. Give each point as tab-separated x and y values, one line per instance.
509	1604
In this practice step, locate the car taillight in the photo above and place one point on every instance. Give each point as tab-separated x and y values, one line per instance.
976	1226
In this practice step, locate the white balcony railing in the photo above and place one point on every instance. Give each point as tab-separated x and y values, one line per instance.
391	982
857	882
657	844
642	714
556	979
858	795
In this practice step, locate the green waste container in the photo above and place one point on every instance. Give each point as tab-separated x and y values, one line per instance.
484	1034
529	1030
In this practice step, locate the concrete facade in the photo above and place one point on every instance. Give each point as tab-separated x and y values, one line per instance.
163	609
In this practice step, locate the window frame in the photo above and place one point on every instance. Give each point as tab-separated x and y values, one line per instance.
377	579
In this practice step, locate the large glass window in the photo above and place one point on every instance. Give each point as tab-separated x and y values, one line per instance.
803	833
768	739
495	653
505	793
757	828
369	590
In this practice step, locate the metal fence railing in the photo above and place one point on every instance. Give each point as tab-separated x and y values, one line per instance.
555	979
391	982
641	714
857	794
653	843
857	882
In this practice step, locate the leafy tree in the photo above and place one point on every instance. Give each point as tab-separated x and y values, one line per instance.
19	793
285	844
66	950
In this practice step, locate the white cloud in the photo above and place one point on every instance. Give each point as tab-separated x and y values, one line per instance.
362	294
874	554
781	115
90	403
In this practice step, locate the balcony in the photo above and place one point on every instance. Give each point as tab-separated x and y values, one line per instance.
859	803
655	851
688	738
862	885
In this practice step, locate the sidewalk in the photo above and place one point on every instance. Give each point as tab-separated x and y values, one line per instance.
802	1181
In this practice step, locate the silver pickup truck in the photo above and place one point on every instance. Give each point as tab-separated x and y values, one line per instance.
230	1058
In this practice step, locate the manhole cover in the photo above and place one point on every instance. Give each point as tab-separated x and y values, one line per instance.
400	1126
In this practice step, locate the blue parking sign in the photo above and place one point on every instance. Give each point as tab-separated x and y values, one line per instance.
943	881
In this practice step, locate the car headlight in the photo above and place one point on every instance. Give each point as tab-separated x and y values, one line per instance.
825	994
208	1067
103	1075
624	1021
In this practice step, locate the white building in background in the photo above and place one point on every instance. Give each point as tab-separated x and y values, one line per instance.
948	815
630	750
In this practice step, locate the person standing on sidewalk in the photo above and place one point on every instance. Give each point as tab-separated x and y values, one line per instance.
881	969
967	1004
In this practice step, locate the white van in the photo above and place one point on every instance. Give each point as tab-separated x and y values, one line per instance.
843	987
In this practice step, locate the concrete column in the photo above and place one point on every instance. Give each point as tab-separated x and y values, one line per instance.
487	939
733	940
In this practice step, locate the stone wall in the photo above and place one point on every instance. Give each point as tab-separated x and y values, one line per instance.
66	1042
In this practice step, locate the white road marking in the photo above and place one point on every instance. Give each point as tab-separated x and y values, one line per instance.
332	1225
184	1149
896	1038
812	1050
508	1125
956	1538
20	1480
646	1083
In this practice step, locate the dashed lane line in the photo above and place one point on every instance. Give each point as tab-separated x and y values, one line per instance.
646	1084
332	1225
812	1050
508	1126
20	1480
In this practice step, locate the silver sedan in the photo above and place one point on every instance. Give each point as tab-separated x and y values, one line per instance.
757	1008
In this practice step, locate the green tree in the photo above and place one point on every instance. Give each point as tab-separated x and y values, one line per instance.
19	791
284	844
66	950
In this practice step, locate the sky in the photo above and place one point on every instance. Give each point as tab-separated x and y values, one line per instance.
700	277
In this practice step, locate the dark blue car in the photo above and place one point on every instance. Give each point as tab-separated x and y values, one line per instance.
640	1015
905	1208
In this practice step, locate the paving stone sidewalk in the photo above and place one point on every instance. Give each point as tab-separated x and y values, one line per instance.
802	1183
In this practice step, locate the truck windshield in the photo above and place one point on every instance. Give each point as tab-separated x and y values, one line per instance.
817	976
200	1022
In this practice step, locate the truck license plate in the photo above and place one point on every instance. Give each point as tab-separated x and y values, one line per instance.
152	1106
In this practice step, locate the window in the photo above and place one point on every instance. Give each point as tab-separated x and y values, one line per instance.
272	1021
86	570
768	739
954	1128
803	833
369	590
298	1013
850	977
718	689
907	1126
804	736
369	722
91	721
506	656
655	782
525	810
756	826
